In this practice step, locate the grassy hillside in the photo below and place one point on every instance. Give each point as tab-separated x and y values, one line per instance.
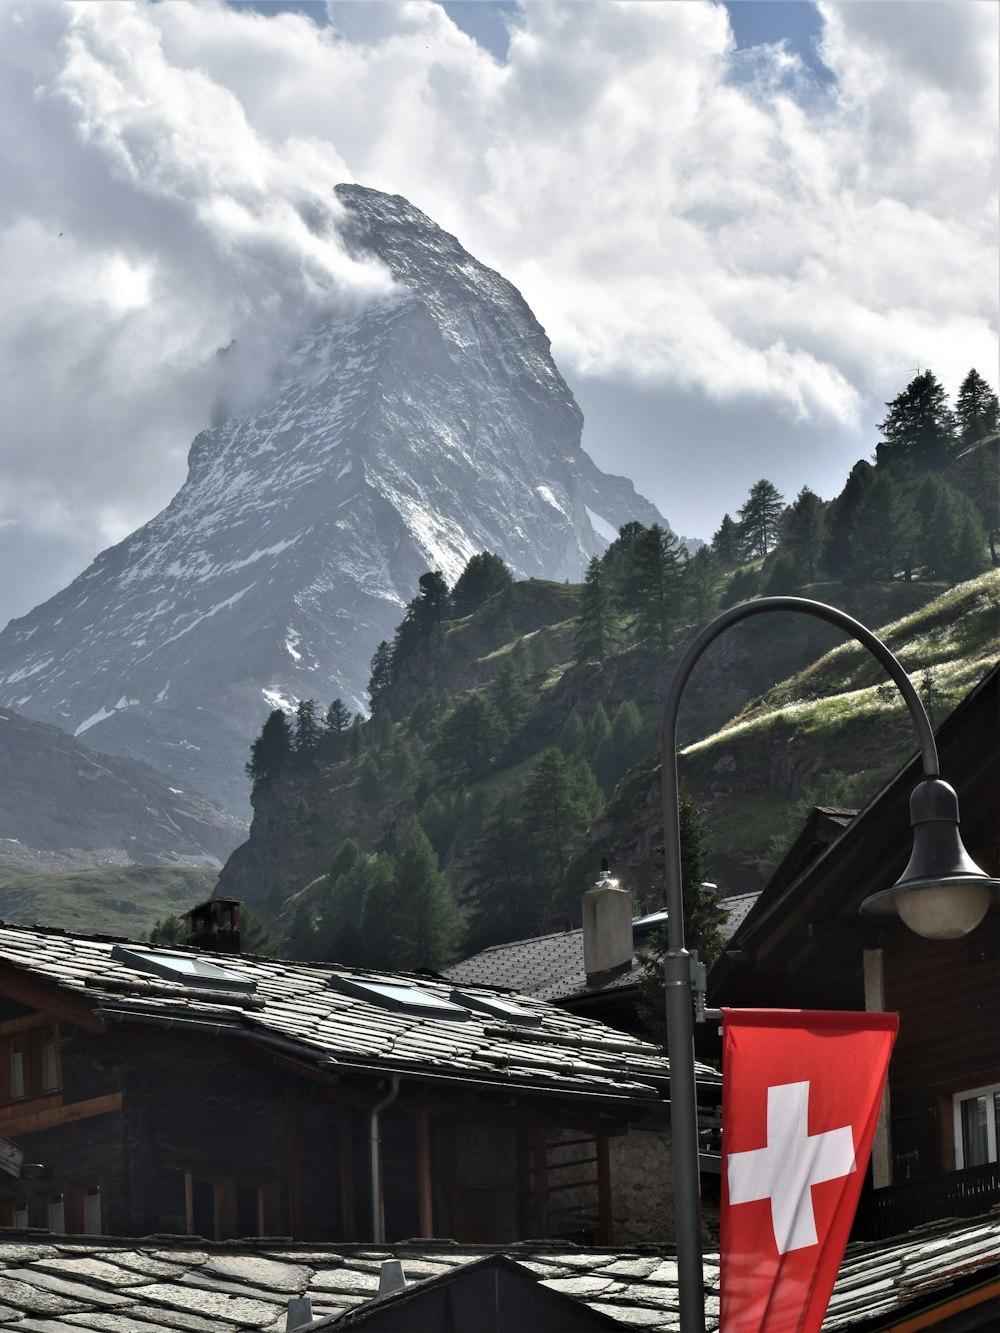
115	901
825	734
836	731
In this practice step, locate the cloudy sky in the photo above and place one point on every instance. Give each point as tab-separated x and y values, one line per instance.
744	227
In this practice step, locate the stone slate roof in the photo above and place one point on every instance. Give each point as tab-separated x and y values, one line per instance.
550	967
295	1007
51	1284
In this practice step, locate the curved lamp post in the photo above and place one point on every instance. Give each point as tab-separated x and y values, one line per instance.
942	894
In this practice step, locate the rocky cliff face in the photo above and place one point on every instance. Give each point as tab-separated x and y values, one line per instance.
406	436
62	806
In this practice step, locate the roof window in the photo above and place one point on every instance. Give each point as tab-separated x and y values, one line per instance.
182	967
498	1007
397	995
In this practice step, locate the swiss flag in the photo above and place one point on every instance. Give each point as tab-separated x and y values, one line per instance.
801	1093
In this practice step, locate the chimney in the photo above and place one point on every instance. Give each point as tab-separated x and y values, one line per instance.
607	929
214	927
390	1278
299	1313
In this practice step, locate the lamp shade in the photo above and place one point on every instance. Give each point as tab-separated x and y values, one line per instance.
942	894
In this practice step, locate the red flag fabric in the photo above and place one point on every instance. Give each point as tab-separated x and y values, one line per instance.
801	1093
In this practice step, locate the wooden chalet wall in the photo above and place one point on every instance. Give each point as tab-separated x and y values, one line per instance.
948	998
199	1134
805	945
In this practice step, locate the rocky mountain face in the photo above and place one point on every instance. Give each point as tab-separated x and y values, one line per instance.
64	807
404	437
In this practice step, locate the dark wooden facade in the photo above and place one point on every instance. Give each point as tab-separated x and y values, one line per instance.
136	1129
805	945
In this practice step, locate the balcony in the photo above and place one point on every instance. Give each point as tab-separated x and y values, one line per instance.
900	1208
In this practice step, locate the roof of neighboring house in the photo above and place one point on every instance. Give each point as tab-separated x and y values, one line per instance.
51	1283
839	858
327	1015
550	967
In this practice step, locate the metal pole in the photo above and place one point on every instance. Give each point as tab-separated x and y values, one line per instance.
677	963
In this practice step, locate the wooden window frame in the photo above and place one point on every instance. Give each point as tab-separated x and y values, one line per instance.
224	1198
30	1039
38	1203
990	1091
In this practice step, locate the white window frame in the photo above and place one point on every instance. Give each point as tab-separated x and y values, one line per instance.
989	1091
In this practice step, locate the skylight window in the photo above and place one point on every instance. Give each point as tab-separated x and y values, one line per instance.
182	967
397	995
498	1008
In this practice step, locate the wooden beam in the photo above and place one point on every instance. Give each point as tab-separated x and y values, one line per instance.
604	1224
937	1314
49	998
29	1122
541	1174
424	1185
293	1166
345	1166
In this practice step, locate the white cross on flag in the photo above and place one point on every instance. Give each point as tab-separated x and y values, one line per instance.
800	1101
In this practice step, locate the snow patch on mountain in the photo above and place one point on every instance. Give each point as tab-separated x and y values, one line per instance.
405	436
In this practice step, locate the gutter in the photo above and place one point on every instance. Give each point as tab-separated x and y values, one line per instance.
331	1064
375	1142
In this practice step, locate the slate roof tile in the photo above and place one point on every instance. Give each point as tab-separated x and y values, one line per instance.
243	1287
296	1002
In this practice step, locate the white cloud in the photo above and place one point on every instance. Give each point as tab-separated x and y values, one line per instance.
683	218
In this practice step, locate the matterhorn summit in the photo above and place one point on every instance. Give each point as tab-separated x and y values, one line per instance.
404	437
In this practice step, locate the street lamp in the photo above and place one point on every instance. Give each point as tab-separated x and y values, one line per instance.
942	894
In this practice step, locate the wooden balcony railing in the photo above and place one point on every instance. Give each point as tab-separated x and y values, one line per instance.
900	1208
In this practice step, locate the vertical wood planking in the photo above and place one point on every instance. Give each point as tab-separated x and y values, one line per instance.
603	1191
424	1178
541	1164
294	1165
345	1165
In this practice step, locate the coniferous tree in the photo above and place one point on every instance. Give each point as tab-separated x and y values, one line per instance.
272	749
483	575
760	517
838	549
625	746
596	623
561	798
302	941
470	737
618	560
803	532
502	878
381	672
653	588
699	583
509	695
424	613
976	409
976	472
952	544
370	786
355	736
784	576
409	918
337	718
727	544
881	532
306	727
918	427
701	919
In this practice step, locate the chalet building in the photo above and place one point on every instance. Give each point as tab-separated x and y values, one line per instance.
589	971
149	1090
804	945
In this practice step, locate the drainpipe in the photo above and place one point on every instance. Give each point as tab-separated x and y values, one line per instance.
375	1140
